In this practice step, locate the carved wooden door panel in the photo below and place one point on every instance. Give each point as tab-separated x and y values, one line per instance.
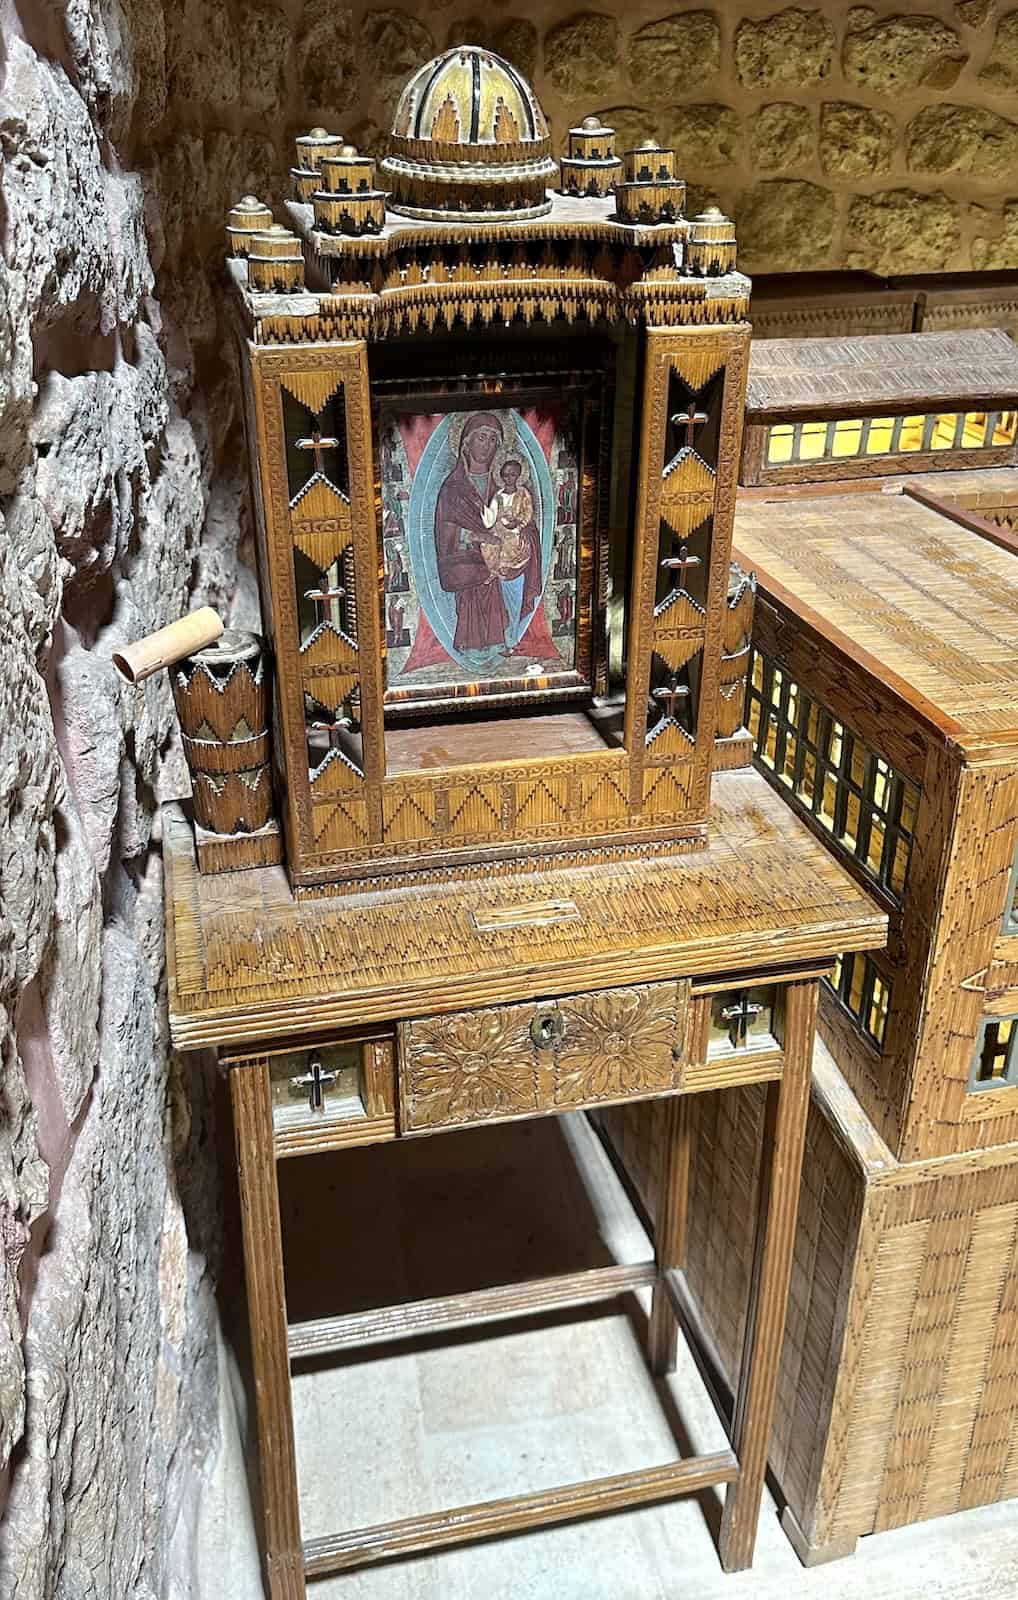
499	1063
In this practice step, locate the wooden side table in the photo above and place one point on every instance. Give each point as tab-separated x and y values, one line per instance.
381	1016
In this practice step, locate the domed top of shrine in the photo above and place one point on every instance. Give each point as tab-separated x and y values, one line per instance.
469	140
468	96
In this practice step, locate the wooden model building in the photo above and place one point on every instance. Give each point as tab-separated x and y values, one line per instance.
883	705
494	435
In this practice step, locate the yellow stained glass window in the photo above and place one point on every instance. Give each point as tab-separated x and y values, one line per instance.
899	865
855	986
877	1021
911	436
858	767
788	763
807	778
850	832
878	442
944	430
812	441
996	1058
880	784
847	437
779	444
875	848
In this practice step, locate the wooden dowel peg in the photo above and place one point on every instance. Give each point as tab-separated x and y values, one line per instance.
138	661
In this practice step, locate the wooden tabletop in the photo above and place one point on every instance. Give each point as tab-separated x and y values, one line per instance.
933	605
248	963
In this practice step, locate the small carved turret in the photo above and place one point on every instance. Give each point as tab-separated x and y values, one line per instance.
311	148
650	192
710	249
275	261
244	220
347	200
591	168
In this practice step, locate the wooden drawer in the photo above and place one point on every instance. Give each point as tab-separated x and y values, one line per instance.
501	1062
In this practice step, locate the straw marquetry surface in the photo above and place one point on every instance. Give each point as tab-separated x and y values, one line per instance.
891	618
248	961
898	1390
804	376
926	598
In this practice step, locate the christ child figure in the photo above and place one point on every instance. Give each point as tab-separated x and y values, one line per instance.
509	511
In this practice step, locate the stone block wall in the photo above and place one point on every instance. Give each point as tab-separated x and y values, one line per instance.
880	137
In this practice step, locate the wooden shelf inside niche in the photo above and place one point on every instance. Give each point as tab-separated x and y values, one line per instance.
479	741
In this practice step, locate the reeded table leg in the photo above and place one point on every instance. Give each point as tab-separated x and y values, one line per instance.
781	1164
266	1309
673	1205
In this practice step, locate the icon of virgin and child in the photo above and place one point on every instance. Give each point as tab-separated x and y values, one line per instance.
476	513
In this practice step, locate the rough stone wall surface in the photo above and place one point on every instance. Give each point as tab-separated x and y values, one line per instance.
110	525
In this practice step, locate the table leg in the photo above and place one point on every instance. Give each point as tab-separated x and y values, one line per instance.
266	1309
670	1234
780	1175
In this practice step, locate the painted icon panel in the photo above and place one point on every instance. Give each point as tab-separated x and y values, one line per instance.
480	532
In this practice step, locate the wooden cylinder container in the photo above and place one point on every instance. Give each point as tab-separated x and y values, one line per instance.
223	700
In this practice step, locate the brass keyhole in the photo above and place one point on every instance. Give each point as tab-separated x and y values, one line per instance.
547	1028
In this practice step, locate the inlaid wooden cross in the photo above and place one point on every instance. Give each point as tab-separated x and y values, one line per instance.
689	420
323	595
318	443
668	694
679	561
315	1080
738	1017
340	724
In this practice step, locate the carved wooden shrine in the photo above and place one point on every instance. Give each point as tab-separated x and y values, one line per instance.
494	433
883	708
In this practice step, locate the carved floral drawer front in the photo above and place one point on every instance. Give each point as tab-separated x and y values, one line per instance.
501	1062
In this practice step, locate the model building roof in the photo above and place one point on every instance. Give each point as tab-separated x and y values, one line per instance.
932	604
790	377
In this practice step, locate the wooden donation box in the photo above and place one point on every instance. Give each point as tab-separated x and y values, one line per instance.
883	707
494	433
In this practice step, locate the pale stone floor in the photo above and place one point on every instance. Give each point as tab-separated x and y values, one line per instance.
520	1405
